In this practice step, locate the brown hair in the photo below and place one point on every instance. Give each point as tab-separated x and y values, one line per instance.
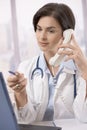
61	12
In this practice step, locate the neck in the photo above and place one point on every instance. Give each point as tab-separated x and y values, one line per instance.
52	69
48	56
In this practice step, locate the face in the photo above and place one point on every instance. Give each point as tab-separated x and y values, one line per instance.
48	33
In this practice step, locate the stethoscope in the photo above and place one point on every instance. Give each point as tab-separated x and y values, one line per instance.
41	72
37	68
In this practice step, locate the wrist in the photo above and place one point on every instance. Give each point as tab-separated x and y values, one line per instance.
21	98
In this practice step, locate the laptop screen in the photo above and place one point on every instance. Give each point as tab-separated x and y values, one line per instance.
7	115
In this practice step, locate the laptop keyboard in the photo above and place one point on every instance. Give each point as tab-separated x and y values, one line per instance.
38	127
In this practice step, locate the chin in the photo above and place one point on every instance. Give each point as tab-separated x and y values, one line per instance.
43	49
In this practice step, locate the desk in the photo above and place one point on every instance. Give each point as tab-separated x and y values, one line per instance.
67	124
71	124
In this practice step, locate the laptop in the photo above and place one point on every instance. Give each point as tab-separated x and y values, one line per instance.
7	116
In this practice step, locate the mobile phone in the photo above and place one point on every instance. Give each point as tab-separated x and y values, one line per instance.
57	59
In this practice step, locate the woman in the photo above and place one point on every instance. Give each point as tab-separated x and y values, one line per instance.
50	93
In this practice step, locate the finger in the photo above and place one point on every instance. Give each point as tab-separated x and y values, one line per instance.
17	86
11	84
19	82
66	52
67	46
23	83
72	44
74	40
19	75
13	76
20	86
13	80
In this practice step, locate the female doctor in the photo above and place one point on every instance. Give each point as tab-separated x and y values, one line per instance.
45	92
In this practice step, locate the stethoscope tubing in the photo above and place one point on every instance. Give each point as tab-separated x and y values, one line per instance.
40	69
37	68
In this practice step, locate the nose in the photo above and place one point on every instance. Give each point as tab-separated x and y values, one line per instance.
43	35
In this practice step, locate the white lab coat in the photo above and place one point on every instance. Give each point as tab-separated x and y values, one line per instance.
65	106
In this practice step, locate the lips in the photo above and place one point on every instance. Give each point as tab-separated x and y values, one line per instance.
43	43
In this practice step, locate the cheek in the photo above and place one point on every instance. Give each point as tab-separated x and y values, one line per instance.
55	40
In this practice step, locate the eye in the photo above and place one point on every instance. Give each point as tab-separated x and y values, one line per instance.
51	31
38	29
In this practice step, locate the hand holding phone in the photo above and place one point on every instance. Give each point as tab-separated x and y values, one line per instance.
57	59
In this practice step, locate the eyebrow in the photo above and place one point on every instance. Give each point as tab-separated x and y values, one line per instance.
51	27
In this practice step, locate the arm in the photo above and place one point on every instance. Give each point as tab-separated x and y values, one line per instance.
18	82
80	102
75	53
23	106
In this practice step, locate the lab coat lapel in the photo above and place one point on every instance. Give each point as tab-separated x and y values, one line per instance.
64	78
40	86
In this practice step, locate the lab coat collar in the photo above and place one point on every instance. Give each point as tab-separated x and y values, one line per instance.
42	62
68	66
